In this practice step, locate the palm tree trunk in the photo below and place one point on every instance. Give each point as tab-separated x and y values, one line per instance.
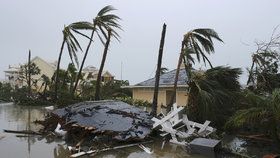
83	62
29	73
157	77
97	90
57	69
176	78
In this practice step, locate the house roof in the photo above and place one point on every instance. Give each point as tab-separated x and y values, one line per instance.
166	80
90	68
94	71
16	68
51	64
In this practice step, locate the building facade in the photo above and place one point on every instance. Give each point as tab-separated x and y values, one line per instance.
145	90
12	75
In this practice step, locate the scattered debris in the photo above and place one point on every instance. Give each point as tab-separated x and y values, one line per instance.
146	149
23	132
256	137
59	132
49	108
81	153
95	124
205	146
170	124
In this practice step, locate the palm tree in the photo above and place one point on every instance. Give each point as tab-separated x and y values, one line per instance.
101	22
213	94
158	72
196	42
72	45
98	81
261	112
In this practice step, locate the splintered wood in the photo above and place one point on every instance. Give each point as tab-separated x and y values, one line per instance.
169	125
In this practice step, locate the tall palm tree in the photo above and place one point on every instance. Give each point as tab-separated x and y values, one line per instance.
98	81
197	42
101	22
72	45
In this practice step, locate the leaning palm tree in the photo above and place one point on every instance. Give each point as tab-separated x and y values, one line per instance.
101	22
73	46
196	42
98	81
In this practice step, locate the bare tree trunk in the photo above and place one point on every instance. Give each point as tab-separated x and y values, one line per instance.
83	62
250	78
57	69
157	77
29	73
98	82
176	78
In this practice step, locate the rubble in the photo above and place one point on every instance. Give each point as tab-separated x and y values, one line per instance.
114	119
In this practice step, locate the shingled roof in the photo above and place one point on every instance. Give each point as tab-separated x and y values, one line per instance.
166	80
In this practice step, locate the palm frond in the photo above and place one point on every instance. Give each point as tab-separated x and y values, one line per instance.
208	33
105	10
201	40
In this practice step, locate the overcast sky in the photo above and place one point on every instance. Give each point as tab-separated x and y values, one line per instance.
37	25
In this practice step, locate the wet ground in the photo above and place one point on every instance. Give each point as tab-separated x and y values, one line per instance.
19	118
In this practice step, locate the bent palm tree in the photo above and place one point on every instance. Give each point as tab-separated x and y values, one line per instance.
197	42
98	81
72	45
101	22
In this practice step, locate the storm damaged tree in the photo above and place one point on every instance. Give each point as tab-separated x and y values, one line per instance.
197	42
158	72
72	45
98	81
263	73
101	23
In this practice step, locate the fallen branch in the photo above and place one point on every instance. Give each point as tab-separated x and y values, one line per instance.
106	149
256	137
23	132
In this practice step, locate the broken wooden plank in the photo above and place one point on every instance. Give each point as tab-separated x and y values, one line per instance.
167	117
204	126
23	132
198	125
146	149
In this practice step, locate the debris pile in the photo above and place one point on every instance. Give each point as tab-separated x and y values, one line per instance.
91	120
185	132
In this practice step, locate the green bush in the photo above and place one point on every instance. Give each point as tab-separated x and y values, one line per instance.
135	102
